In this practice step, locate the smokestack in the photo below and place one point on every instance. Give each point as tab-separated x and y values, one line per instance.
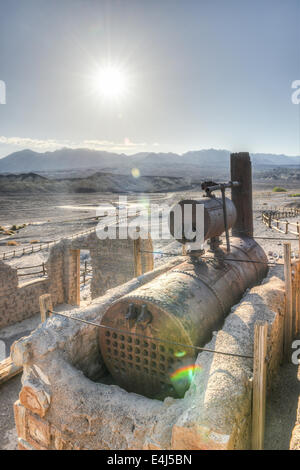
241	171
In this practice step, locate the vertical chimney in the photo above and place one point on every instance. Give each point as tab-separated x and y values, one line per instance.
240	166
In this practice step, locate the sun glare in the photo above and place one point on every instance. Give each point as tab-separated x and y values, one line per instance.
111	82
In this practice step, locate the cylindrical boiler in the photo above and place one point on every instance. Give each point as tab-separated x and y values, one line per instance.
184	305
213	223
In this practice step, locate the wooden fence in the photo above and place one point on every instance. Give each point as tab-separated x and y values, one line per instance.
274	220
86	273
292	293
291	328
43	271
41	246
46	245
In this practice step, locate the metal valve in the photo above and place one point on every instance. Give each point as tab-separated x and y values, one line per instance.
131	315
144	318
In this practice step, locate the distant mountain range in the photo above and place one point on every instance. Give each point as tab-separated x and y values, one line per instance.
193	163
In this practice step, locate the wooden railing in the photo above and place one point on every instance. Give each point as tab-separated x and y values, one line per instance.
41	246
292	299
86	274
43	271
274	220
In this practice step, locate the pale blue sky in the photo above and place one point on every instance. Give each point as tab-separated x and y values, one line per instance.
200	73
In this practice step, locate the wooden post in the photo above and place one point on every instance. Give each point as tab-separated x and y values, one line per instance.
8	370
288	318
294	312
259	385
137	257
73	277
270	221
241	196
45	305
296	298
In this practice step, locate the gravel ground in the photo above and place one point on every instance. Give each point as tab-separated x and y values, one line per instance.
11	333
9	393
281	412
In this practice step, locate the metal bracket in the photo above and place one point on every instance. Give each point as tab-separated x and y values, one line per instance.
225	218
210	186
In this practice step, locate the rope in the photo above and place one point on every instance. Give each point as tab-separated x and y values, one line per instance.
151	338
213	258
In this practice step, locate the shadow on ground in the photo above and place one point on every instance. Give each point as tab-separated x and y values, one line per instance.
281	410
9	393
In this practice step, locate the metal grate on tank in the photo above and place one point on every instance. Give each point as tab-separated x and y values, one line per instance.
128	354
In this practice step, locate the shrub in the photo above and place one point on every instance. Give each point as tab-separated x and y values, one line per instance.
12	243
294	195
17	227
278	189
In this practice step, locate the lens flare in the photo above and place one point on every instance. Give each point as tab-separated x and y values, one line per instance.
180	354
185	373
135	172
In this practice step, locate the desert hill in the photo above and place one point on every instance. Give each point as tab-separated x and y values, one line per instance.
193	163
31	183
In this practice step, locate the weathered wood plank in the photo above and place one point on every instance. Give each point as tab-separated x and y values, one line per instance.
288	317
8	370
241	171
259	385
137	256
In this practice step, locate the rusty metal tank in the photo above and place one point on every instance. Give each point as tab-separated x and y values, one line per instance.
213	217
184	305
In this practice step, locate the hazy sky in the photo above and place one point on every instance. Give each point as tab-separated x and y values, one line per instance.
198	74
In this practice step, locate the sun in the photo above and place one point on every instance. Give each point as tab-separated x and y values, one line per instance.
111	82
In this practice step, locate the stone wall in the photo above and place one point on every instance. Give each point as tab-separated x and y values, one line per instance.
112	260
62	407
18	303
112	265
295	440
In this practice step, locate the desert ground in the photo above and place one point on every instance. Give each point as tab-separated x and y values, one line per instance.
52	217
